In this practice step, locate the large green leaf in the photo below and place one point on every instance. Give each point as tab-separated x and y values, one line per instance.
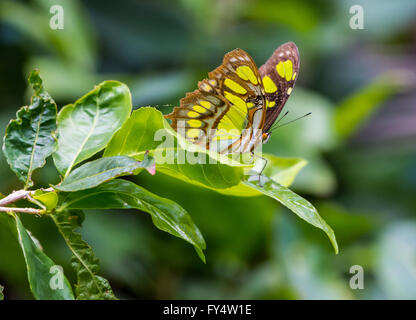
90	286
148	130
40	269
300	206
101	170
281	169
122	194
29	140
86	127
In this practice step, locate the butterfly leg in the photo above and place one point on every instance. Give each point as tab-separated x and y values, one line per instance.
259	174
265	161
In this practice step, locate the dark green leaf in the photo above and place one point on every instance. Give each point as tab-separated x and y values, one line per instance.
122	194
29	139
148	130
90	286
101	170
300	206
86	127
44	282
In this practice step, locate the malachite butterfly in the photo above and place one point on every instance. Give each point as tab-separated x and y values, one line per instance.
234	109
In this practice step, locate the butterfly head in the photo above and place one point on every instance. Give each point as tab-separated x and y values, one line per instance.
265	137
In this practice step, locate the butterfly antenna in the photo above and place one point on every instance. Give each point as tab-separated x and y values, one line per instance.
277	122
301	117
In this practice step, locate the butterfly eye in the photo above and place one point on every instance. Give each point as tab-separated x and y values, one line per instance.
265	137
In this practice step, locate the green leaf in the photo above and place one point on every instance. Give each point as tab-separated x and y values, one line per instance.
86	127
90	286
101	170
48	200
148	130
1	292
280	169
29	138
357	108
40	269
166	215
283	170
300	206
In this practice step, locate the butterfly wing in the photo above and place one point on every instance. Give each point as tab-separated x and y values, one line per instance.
199	111
230	100
279	75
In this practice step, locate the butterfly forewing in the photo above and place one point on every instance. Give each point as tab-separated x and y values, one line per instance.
279	75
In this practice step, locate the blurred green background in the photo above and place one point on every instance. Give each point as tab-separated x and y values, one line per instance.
359	141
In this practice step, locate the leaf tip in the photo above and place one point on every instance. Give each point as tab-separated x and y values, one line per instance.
201	254
149	163
152	169
335	245
35	80
331	235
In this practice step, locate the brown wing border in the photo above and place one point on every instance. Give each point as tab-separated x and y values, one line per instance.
286	51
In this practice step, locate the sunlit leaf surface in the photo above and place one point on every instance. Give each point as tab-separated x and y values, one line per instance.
86	127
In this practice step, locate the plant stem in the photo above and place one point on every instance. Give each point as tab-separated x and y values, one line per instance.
15	196
20	195
23	210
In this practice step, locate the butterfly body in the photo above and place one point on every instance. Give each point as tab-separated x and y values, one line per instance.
234	109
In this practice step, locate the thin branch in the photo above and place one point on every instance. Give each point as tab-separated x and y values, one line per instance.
23	210
19	195
15	196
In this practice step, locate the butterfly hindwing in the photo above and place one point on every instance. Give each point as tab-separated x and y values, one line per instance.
197	114
279	75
